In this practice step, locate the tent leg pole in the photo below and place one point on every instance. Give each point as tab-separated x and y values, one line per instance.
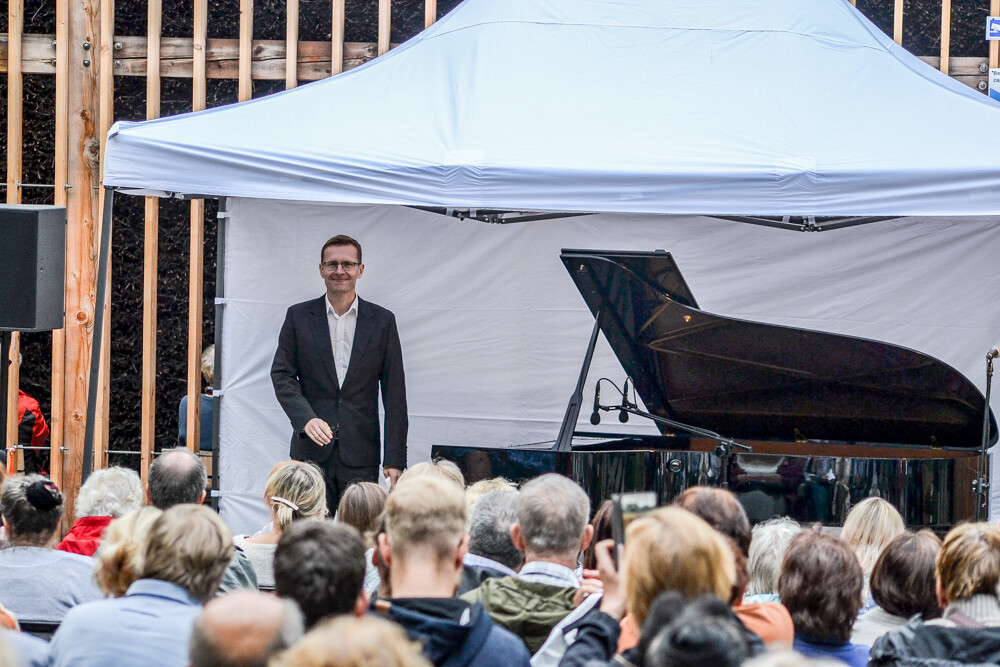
220	294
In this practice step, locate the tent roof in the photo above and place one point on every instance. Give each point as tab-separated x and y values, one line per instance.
737	107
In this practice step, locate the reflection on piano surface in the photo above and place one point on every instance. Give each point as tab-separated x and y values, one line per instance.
831	419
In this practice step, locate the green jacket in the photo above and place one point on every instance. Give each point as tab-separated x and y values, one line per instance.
527	609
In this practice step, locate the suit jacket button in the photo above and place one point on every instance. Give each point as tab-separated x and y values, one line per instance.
340	400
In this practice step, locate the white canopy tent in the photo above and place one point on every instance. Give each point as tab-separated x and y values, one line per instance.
630	108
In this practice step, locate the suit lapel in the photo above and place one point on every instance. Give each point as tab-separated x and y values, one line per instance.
362	335
321	331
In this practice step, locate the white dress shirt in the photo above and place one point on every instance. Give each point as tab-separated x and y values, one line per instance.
342	329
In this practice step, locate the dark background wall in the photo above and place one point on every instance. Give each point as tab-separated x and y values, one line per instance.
921	29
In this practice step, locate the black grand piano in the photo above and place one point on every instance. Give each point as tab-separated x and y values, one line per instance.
829	419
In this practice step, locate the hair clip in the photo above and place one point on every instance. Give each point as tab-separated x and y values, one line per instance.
284	501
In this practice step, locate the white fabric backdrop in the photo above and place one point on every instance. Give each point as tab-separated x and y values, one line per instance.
494	331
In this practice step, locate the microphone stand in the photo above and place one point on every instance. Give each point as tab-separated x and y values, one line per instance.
981	487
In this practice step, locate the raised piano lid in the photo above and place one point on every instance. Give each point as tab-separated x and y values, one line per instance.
754	381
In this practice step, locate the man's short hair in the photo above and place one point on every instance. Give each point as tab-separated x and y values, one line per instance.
426	512
437	468
820	584
243	629
110	492
722	510
552	513
770	540
902	582
489	528
340	239
969	562
176	476
190	546
320	565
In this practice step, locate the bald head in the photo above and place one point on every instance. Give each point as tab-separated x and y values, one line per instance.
243	628
177	476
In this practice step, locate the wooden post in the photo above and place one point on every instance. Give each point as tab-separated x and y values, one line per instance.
945	35
384	25
246	50
431	11
897	22
14	457
106	83
151	241
81	242
994	45
56	420
15	129
292	44
337	39
197	259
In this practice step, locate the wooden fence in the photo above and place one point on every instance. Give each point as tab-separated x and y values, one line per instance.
84	56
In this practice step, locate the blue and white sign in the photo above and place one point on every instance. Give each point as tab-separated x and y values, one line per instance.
992	28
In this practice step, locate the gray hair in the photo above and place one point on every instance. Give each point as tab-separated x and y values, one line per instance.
110	492
552	513
489	528
245	611
767	548
177	476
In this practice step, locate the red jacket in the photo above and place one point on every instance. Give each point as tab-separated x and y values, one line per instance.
85	535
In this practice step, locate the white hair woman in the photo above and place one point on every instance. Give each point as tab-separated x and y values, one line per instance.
106	495
295	490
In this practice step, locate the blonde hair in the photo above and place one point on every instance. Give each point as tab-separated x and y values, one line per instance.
426	512
479	489
295	490
190	546
671	549
208	364
349	641
361	506
869	528
118	559
969	561
440	468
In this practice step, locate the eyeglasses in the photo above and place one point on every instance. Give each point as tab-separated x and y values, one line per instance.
346	266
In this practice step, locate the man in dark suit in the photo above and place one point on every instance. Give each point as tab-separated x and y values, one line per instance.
334	354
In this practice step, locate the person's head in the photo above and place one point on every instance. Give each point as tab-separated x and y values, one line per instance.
426	521
354	642
671	549
552	513
767	548
477	490
602	525
321	566
361	506
722	510
820	585
110	492
440	468
705	634
190	546
489	528
32	507
243	629
177	476
869	527
208	364
119	558
295	491
902	582
969	562
340	264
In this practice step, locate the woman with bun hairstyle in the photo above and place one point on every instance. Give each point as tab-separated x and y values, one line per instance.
37	582
295	490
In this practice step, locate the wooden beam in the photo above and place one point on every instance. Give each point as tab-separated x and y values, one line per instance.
59	199
15	130
897	22
994	45
246	48
945	35
384	25
431	11
147	431
337	37
199	53
292	42
10	437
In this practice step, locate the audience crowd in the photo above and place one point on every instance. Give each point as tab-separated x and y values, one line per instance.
435	573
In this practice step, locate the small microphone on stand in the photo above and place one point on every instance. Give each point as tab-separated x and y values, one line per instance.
622	415
993	353
595	416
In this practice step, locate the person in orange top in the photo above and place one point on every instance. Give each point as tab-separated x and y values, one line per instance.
32	431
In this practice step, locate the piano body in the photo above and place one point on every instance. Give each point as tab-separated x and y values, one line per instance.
830	419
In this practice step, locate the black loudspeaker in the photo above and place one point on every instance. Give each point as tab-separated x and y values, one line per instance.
32	267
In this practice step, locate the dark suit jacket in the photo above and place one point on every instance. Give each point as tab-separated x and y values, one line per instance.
305	383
